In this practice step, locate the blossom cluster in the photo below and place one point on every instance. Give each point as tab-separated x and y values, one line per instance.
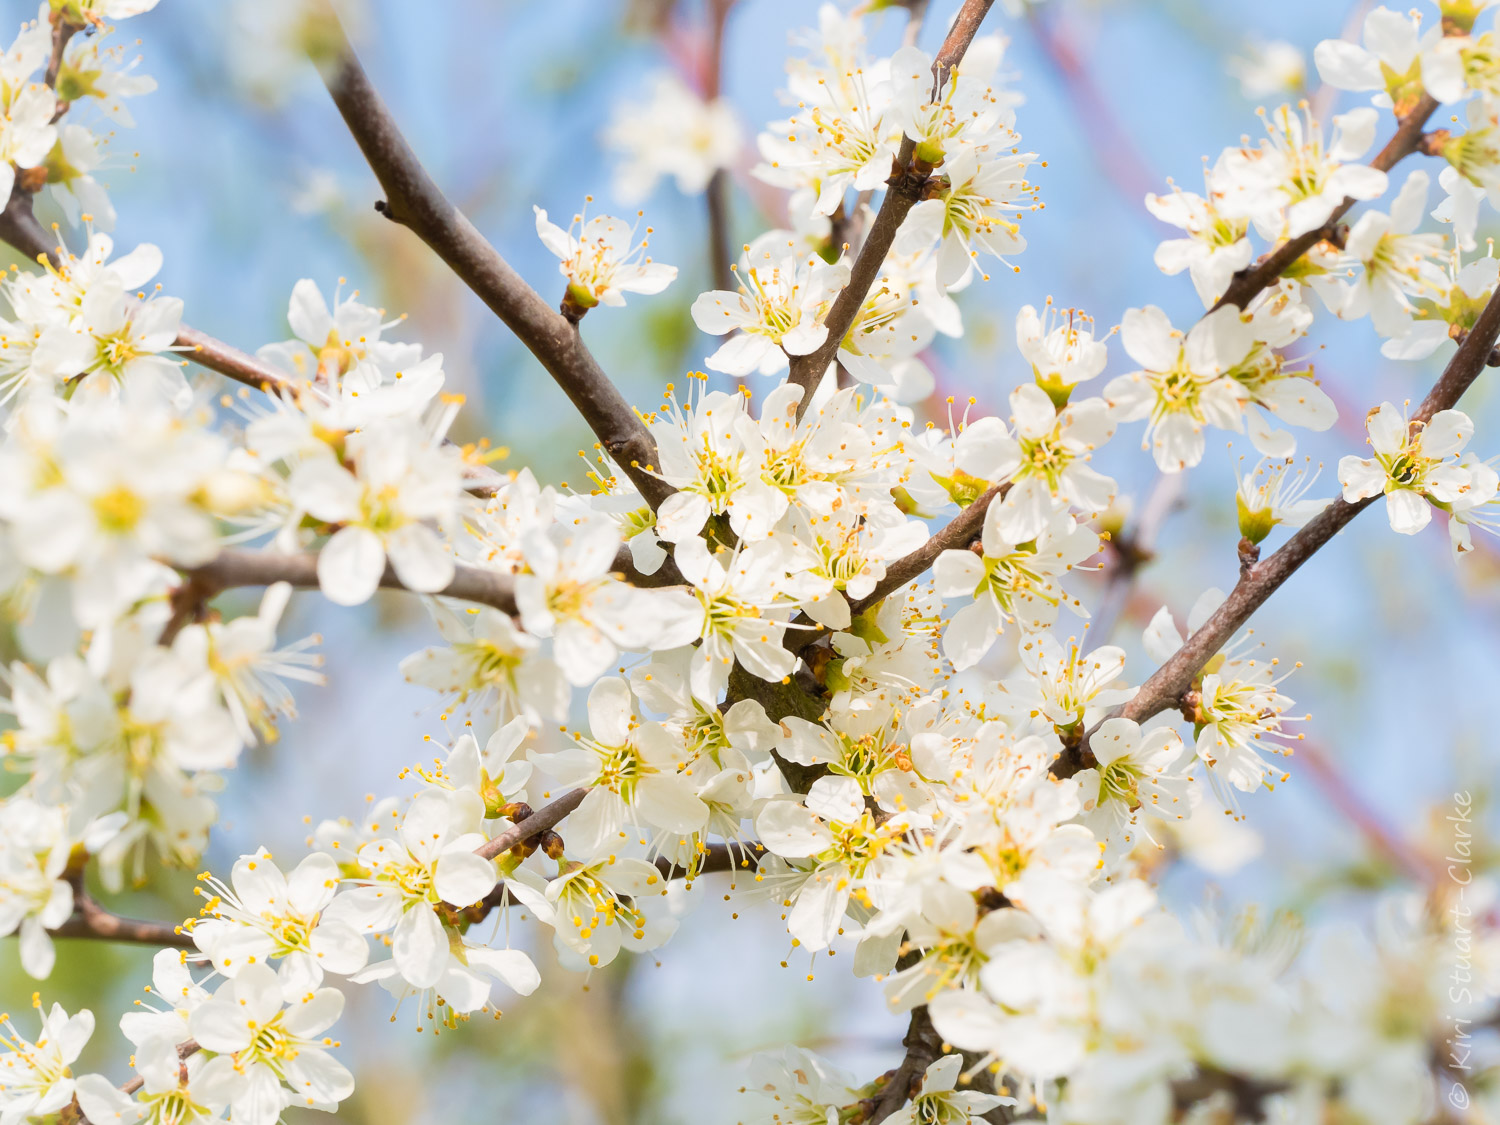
752	671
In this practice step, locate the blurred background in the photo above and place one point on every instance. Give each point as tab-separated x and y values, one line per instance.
241	171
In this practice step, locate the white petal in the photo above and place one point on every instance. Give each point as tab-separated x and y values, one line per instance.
350	566
463	878
420	947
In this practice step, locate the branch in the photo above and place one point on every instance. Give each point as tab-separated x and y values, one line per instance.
184	1049
1248	282
1383	838
960	35
904	189
1247	1095
63	29
923	1046
416	202
964	528
720	258
233	568
90	920
1259	581
20	228
716	858
244	368
548	816
232	363
916	12
720	240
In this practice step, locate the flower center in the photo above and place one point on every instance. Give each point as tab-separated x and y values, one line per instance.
118	510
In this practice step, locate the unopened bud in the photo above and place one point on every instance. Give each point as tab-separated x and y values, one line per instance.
551	843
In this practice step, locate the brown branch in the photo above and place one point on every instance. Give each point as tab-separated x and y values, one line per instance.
184	1049
1383	838
234	364
1250	281
63	29
916	12
416	202
19	227
1260	580
229	361
960	35
720	258
538	822
716	858
1247	1095
956	535
962	530
90	920
233	568
903	190
189	603
923	1047
720	230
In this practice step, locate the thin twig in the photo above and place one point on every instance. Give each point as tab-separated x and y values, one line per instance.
232	363
1381	836
960	35
534	825
90	920
916	12
720	229
184	1049
957	534
903	190
720	256
234	568
962	530
19	227
63	30
417	203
